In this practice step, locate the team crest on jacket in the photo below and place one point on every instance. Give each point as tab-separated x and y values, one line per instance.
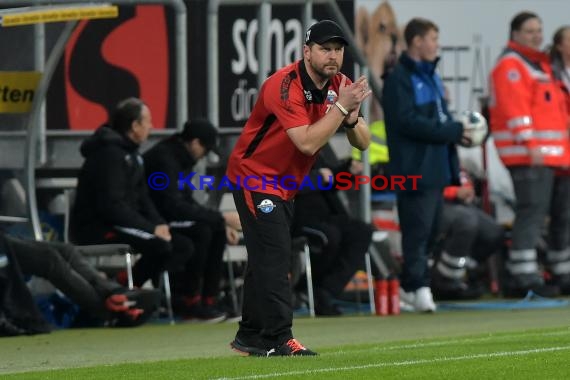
331	96
266	206
513	75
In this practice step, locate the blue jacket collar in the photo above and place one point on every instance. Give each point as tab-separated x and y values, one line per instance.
423	67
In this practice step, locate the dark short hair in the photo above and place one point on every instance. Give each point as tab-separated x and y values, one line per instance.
519	20
127	111
203	130
557	40
418	27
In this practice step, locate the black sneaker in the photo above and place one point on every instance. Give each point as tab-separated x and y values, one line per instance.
134	307
292	347
518	286
245	349
563	282
206	314
453	289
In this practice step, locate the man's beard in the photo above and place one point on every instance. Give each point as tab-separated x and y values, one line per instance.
325	74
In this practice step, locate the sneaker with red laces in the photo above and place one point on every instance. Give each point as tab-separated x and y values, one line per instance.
132	308
292	347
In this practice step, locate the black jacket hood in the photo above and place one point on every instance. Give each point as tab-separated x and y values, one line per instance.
105	136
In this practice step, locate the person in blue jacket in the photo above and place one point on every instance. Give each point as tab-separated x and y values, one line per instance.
421	138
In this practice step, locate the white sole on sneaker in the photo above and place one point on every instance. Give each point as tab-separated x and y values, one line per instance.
423	301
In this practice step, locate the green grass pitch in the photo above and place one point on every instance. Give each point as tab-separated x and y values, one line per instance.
523	344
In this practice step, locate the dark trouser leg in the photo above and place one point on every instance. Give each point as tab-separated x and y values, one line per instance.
214	263
558	255
533	188
204	269
156	254
489	239
459	225
46	260
356	237
418	212
267	311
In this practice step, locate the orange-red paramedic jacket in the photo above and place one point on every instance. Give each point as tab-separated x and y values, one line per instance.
527	109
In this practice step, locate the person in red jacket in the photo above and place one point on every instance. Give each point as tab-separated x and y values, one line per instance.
299	108
470	237
529	127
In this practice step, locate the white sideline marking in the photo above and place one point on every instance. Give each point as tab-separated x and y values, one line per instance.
450	341
403	363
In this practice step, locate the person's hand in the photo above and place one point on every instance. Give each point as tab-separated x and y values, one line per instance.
351	96
466	194
232	220
232	236
536	158
466	139
162	231
326	174
356	167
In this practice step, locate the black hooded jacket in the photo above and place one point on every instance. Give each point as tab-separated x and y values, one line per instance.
171	157
112	189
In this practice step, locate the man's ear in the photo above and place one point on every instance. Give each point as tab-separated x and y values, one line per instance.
415	41
361	33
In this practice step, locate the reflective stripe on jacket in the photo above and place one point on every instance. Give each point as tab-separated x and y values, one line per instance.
527	109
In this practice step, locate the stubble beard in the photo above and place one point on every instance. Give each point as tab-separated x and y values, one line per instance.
324	74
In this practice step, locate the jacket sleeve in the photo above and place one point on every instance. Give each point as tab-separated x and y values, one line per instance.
512	94
450	192
411	123
176	202
150	210
112	191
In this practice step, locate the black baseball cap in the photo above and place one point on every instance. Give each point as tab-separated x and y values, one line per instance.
324	31
202	130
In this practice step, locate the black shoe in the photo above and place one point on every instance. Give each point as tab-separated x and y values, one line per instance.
519	286
7	328
324	305
563	282
292	347
247	349
207	314
452	289
140	304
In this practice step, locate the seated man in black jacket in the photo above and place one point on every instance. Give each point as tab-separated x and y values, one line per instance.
209	229
348	238
112	203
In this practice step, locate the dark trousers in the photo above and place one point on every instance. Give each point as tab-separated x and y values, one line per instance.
203	271
348	242
67	270
267	312
156	254
559	231
419	213
468	231
533	189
